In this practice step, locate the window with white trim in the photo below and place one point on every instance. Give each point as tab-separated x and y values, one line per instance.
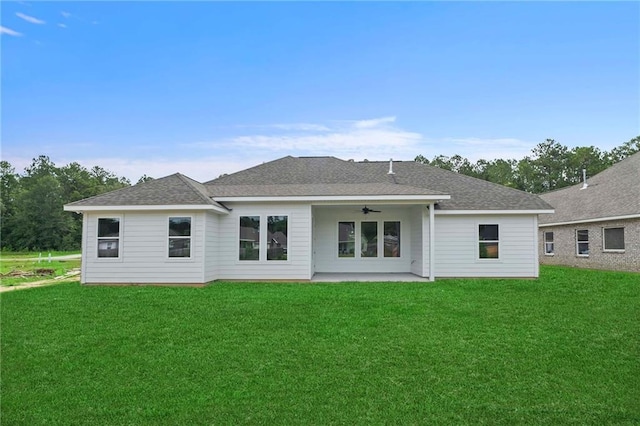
180	236
549	247
488	241
392	239
582	242
108	237
346	239
613	239
368	239
256	246
277	236
249	238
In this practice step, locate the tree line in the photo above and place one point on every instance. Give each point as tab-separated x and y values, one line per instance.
31	213
32	217
550	166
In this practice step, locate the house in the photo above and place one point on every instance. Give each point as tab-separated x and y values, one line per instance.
596	224
300	218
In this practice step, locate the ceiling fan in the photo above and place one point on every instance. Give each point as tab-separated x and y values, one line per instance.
367	210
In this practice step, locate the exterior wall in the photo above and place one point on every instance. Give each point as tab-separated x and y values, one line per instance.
326	236
143	250
418	242
210	246
457	252
565	246
298	263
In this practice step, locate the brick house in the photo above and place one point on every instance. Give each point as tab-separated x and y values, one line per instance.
597	224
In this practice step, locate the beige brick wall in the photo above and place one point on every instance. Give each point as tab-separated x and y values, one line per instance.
565	246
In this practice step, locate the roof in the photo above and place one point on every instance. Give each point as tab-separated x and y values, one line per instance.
613	192
175	189
330	176
325	177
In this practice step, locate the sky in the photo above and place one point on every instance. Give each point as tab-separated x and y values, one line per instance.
206	88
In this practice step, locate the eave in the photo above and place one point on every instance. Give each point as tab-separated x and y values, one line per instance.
156	207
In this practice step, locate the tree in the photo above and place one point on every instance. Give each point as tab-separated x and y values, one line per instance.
8	189
626	149
589	158
143	179
39	222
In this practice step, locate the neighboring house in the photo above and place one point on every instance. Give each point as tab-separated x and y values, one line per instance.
596	225
292	218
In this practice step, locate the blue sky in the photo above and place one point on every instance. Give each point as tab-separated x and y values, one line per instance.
206	88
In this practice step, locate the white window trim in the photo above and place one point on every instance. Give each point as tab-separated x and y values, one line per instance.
544	243
478	241
604	248
588	242
120	239
358	239
178	259
262	242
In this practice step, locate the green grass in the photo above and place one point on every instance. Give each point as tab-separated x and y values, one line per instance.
41	270
560	350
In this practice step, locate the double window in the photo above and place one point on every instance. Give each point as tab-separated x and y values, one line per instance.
549	247
179	237
488	241
276	239
109	237
367	234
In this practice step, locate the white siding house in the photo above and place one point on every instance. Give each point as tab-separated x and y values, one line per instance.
293	218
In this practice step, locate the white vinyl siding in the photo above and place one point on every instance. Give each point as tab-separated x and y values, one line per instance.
143	251
210	246
298	263
326	240
420	241
456	246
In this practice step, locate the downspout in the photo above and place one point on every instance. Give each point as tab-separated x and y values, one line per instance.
432	242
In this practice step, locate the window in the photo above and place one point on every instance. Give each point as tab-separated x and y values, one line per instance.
108	237
488	245
277	237
274	243
548	243
179	237
346	239
392	239
613	239
249	238
369	239
582	242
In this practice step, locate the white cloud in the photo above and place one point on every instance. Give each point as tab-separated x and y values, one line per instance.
62	25
9	31
305	127
65	14
376	122
357	139
30	19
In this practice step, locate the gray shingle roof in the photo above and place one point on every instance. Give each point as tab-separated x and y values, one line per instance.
175	189
332	176
612	192
325	176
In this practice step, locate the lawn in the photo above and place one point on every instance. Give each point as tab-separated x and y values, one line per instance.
563	349
22	267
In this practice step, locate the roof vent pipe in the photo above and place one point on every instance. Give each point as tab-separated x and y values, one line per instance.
391	167
584	179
